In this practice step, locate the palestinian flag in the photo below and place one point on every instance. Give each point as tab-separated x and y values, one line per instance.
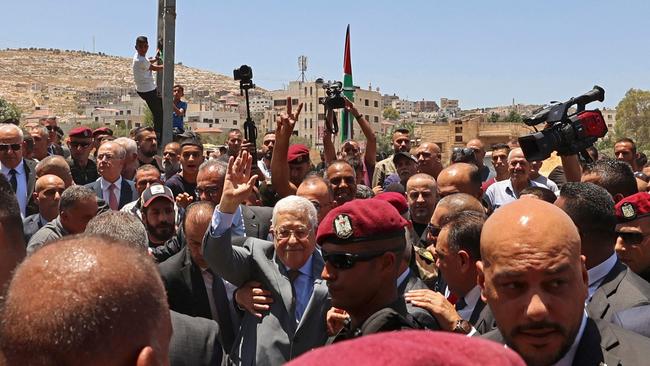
347	120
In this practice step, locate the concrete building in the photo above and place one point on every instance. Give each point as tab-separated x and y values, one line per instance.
223	120
403	106
449	103
426	106
128	112
610	119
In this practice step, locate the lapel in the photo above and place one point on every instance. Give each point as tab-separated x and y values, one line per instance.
476	314
282	283
30	176
319	294
251	226
97	187
126	193
194	281
599	305
595	344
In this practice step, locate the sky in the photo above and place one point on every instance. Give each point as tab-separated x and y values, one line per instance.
484	53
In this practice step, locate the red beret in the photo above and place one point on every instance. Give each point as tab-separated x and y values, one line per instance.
411	347
103	130
81	131
632	207
361	220
298	153
396	199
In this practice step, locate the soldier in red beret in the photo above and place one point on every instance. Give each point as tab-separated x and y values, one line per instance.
633	231
83	169
364	239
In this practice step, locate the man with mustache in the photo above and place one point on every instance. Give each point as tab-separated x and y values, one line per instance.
401	143
506	191
147	143
171	163
534	279
342	180
158	214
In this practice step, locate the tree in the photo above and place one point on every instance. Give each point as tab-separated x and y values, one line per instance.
8	110
494	117
390	113
385	141
513	116
633	117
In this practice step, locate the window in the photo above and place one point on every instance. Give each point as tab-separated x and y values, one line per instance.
305	90
311	124
311	89
321	116
305	123
216	120
376	119
293	102
234	122
128	111
367	117
459	139
310	107
376	104
210	125
96	119
366	102
459	129
280	103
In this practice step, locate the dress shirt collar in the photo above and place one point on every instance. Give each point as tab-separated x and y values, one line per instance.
598	273
42	220
567	359
105	184
20	169
472	297
306	268
403	276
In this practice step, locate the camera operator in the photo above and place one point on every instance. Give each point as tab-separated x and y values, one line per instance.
350	150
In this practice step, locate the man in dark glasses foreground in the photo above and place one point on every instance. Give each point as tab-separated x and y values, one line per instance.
362	243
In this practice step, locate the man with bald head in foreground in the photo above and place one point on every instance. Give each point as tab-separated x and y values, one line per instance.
535	281
119	315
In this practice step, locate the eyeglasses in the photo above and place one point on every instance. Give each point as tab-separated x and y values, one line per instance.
105	156
464	150
208	191
433	230
6	147
283	233
631	239
348	260
50	128
76	144
317	205
170	154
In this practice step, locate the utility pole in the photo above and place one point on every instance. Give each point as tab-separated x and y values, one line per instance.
165	79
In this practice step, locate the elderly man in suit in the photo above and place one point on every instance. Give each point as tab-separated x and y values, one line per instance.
19	172
289	267
535	281
110	186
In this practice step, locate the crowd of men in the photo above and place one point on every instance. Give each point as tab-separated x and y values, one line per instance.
116	251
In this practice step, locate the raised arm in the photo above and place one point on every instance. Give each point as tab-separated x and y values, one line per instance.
234	264
279	164
370	156
328	143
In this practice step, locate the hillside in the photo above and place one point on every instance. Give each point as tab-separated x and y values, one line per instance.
56	78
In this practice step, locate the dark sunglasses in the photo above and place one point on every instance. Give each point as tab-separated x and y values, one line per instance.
348	260
50	128
433	230
631	238
6	147
76	144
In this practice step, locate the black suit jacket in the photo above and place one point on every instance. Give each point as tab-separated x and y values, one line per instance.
30	172
183	281
257	221
194	341
603	342
127	191
31	224
620	289
423	317
482	319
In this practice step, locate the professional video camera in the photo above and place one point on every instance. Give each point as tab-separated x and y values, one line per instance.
333	90
568	134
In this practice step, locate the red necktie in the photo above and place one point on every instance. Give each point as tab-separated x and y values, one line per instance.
112	198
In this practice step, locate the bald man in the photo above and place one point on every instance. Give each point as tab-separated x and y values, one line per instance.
114	287
506	191
319	193
56	165
448	206
460	178
429	158
535	281
479	152
47	194
422	197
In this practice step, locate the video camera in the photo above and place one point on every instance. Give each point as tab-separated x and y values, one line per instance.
568	134
245	76
333	98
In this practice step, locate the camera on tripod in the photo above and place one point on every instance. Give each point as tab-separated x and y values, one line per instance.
568	134
333	98
244	74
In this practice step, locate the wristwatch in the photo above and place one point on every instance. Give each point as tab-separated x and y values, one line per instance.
462	327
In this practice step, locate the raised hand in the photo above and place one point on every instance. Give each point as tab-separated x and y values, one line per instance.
238	183
349	107
287	120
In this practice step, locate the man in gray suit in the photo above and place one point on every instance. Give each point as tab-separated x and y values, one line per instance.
613	287
535	281
110	186
290	268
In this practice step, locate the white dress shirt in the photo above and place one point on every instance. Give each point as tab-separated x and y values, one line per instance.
598	273
106	191
471	299
21	191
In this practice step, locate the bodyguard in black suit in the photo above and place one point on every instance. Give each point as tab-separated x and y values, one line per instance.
186	291
613	287
535	281
194	341
110	185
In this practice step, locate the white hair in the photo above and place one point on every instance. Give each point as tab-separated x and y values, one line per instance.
296	204
6	127
128	144
516	150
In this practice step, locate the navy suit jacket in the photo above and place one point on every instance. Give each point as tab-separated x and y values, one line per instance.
127	191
